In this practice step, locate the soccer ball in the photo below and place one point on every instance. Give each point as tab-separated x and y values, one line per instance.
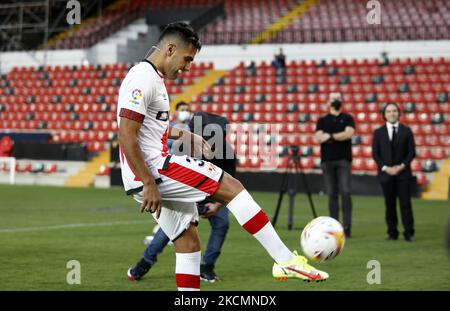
322	239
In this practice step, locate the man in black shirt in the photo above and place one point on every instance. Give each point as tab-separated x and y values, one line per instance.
334	133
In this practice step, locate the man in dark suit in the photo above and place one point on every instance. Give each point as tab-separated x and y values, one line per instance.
393	150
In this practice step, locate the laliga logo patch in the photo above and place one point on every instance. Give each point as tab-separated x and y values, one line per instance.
137	94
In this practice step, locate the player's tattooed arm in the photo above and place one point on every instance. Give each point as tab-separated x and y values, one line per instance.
128	132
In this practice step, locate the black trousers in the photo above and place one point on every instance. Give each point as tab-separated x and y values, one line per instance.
393	188
337	176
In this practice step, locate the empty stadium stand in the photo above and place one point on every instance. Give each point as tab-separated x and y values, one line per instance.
345	20
94	29
292	100
323	21
78	104
244	20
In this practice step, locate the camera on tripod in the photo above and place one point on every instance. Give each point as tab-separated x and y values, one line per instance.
289	185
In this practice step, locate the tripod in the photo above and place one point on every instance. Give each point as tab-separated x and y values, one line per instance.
289	185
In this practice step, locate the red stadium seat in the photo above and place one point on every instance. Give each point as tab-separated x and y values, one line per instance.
423	153
421	179
371	165
50	169
416	166
358	165
438	153
6	145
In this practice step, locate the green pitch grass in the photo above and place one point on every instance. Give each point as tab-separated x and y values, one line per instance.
42	228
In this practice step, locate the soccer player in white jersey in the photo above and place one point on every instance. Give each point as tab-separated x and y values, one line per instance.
168	185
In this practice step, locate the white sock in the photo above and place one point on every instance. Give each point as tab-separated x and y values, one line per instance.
187	271
252	218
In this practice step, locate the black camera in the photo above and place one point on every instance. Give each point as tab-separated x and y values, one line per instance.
202	208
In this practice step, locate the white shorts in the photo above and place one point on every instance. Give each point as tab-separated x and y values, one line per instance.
188	179
175	217
182	181
183	178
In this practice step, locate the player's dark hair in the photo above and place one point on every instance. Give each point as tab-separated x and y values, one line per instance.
183	31
383	111
178	105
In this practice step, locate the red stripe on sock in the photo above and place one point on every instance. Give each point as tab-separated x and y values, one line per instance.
256	222
187	280
190	177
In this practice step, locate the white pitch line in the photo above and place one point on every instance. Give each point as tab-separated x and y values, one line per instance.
69	226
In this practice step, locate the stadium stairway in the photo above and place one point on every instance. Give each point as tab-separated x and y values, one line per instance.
438	189
273	29
197	88
132	31
86	176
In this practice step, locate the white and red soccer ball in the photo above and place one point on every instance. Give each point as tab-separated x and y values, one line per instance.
322	239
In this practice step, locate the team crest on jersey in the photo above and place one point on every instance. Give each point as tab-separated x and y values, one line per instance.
136	96
162	115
